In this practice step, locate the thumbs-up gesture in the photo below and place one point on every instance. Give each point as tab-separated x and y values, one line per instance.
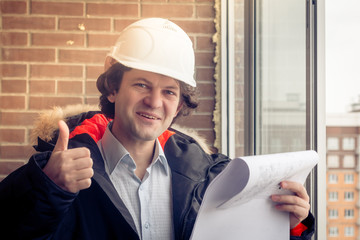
70	169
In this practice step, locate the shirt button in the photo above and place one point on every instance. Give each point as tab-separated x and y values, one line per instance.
147	225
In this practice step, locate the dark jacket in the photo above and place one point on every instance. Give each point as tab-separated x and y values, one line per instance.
33	207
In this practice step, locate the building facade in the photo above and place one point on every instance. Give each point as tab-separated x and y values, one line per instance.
343	132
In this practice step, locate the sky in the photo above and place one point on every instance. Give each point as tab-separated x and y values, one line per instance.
342	54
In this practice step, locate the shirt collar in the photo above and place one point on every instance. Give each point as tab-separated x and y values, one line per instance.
114	152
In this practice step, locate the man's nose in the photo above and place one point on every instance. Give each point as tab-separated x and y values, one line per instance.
154	99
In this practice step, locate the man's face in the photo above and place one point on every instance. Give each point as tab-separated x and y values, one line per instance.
145	106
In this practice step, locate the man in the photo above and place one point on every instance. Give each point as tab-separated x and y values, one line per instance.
122	173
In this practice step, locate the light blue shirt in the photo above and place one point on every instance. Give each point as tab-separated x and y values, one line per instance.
149	200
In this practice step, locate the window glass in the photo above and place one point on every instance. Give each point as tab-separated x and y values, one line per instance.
333	196
332	143
349	196
280	69
348	178
349	213
333	231
333	161
348	143
349	161
349	231
333	178
333	213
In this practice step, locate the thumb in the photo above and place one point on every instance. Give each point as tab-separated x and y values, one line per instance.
63	139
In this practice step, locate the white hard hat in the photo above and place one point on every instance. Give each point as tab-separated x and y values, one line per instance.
156	45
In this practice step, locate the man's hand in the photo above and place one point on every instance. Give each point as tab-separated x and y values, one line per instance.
70	169
297	205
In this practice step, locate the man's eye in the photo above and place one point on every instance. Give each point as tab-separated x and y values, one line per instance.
170	92
141	85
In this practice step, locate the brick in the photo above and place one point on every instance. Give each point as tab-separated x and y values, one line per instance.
167	11
206	105
120	24
13	7
12	70
70	87
16	152
198	26
17	118
57	8
205	74
28	23
91	88
93	72
205	43
82	56
196	121
152	1
101	40
204	59
56	71
37	103
58	39
205	11
92	100
12	136
13	39
85	24
181	1
28	55
13	86
206	89
12	102
208	135
7	167
46	87
108	9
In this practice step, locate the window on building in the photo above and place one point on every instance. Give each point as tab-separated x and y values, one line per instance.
349	161
349	231
349	178
332	178
333	231
333	161
349	196
333	213
333	196
332	143
349	213
348	143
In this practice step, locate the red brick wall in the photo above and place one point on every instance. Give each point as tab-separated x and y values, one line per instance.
53	51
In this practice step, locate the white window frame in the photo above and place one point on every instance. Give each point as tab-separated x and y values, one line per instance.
333	231
349	213
348	143
333	196
333	143
349	178
349	231
333	213
318	176
333	178
349	196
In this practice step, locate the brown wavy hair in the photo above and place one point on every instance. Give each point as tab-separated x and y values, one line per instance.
109	82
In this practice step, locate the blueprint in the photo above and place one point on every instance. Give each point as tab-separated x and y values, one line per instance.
237	203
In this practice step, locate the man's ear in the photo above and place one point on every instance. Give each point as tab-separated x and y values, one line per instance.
179	108
109	61
112	97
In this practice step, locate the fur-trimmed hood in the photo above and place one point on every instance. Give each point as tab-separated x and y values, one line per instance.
46	124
